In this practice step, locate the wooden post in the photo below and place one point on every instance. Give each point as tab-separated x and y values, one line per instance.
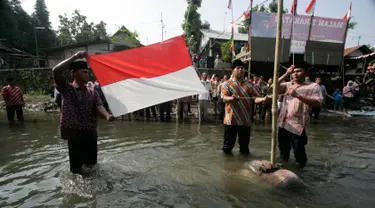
275	78
343	53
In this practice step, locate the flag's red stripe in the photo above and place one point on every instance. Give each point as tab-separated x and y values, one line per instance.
310	6
144	62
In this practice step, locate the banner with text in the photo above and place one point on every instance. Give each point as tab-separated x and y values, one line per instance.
323	29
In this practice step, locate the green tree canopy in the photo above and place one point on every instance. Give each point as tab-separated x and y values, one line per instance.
41	19
192	25
76	29
272	8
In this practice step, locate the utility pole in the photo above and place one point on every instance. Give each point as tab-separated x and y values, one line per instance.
162	26
359	39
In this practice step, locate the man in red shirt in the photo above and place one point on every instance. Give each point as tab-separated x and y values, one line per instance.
79	112
13	97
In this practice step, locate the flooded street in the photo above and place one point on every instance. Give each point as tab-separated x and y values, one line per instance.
181	165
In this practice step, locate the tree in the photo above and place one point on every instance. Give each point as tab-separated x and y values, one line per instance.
352	25
41	19
192	25
272	8
130	36
226	51
76	29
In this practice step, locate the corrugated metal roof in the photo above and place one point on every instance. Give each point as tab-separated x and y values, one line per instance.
224	36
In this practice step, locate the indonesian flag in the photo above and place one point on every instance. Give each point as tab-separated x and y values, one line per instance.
139	78
310	9
293	10
347	16
246	13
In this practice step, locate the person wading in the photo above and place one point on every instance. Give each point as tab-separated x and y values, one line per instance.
294	115
79	112
13	97
237	94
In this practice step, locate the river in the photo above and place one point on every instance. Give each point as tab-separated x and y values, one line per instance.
180	165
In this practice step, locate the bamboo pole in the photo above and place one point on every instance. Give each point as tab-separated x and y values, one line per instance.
275	79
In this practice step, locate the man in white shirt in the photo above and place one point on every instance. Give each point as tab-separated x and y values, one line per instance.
204	98
316	110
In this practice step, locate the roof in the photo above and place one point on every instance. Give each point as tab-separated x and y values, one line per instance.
12	51
75	45
214	34
363	48
364	56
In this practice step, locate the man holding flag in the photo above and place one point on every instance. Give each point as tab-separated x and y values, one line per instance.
79	112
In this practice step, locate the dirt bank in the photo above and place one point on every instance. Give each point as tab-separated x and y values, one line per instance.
37	103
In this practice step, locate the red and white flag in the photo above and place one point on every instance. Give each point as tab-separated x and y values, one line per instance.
139	78
347	16
310	9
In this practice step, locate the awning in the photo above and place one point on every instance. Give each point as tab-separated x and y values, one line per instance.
364	56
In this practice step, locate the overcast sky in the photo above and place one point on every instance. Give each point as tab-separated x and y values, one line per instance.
144	15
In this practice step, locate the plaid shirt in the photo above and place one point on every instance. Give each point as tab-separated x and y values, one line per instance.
238	112
294	114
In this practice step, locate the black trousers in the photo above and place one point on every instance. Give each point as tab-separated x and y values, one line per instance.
83	149
315	112
221	105
14	109
167	108
288	140
230	135
266	107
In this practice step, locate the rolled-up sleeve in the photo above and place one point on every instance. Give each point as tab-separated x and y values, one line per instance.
97	99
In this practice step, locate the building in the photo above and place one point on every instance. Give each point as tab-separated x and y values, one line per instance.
13	58
211	41
121	40
354	64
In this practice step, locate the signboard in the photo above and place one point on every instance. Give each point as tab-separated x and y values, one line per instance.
322	30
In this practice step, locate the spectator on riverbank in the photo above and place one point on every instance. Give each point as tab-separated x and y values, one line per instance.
294	117
348	96
204	98
237	95
14	101
79	113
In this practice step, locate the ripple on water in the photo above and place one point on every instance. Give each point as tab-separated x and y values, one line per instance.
169	165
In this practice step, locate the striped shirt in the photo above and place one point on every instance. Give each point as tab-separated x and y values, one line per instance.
13	95
294	114
237	113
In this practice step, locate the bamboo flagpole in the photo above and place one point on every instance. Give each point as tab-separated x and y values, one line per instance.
348	18
275	78
249	39
293	10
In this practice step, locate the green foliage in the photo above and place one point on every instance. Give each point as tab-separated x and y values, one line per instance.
370	47
226	51
192	25
31	81
272	8
352	25
76	29
41	19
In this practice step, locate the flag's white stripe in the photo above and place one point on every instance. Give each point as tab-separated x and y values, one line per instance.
134	94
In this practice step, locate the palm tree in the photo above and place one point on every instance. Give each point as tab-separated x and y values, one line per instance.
352	25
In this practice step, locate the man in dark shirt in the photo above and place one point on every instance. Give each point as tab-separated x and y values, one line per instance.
79	112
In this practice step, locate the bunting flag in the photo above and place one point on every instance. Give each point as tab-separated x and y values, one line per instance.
139	78
347	16
230	4
310	9
293	10
246	13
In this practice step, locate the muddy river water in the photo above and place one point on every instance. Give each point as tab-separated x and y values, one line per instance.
181	165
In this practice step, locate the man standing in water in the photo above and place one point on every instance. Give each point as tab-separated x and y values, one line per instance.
237	95
13	97
294	116
79	112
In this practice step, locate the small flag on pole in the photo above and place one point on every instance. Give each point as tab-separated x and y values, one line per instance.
293	10
347	16
230	4
310	9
